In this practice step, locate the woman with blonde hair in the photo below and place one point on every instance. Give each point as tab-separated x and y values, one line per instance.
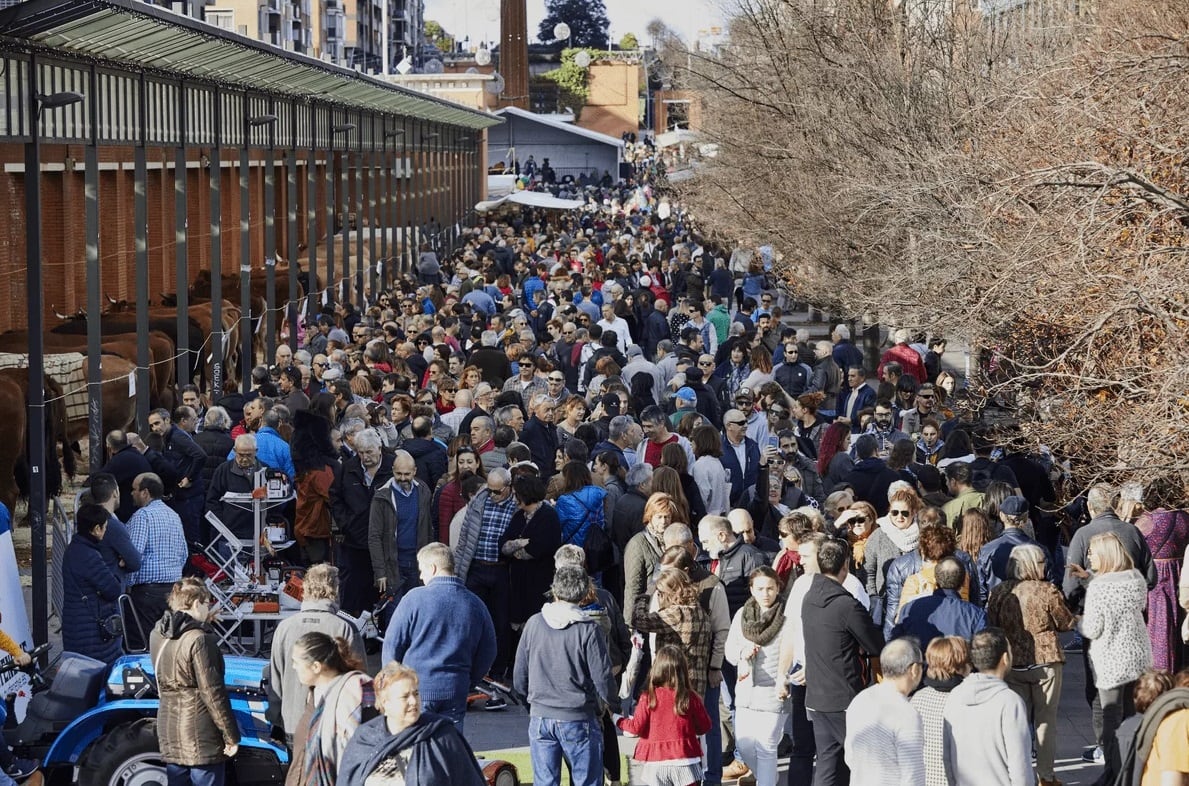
406	745
947	662
1031	611
1113	620
643	551
857	524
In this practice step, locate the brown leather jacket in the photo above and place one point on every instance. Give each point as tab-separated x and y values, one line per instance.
195	721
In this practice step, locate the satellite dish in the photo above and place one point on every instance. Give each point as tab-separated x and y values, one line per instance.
561	30
434	66
496	85
582	59
472	70
483	56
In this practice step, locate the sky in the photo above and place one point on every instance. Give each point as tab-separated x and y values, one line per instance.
479	19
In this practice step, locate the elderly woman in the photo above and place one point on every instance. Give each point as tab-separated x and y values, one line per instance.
406	746
529	543
1113	619
1031	611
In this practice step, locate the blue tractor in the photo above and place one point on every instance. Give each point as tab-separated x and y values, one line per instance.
97	725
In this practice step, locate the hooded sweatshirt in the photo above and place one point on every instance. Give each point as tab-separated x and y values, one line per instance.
986	738
562	665
842	632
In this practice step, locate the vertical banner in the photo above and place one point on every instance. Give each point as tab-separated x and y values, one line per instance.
15	619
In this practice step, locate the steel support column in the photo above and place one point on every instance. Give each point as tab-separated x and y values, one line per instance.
215	176
95	435
140	212
291	233
247	359
181	232
270	242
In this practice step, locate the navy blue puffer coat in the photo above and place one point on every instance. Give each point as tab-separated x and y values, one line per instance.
89	593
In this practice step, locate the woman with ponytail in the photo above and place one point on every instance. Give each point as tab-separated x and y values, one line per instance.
340	699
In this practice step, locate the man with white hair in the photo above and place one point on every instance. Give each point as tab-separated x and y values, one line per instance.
909	359
827	377
493	364
356	481
846	354
237	475
443	632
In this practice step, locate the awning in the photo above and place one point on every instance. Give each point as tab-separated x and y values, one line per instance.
137	34
531	199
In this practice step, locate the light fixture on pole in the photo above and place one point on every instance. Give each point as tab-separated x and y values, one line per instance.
35	304
562	30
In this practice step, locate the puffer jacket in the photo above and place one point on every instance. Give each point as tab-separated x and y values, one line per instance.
578	510
194	721
906	565
89	592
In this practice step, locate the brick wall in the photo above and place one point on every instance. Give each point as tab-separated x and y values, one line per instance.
64	225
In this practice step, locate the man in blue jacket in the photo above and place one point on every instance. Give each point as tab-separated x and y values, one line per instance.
943	613
740	457
443	632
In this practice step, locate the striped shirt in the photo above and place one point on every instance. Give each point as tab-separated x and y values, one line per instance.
496	518
884	739
157	533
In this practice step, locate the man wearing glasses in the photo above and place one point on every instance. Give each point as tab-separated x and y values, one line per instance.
478	559
924	406
740	457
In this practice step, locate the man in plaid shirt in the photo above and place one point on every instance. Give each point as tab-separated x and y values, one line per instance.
157	533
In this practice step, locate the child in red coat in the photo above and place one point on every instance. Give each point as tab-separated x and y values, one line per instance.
669	718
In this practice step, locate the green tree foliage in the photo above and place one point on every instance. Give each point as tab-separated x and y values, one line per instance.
629	42
437	35
572	80
587	19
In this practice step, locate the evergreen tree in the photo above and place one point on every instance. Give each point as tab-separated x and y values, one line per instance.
587	19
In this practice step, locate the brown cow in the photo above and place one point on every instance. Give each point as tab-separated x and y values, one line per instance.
56	434
120	345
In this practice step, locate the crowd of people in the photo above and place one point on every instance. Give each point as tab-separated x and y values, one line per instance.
585	454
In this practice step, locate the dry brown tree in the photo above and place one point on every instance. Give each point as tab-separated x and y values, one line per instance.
1018	179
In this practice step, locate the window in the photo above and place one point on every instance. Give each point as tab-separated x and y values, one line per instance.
223	18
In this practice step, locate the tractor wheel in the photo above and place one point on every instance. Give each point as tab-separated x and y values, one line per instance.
128	755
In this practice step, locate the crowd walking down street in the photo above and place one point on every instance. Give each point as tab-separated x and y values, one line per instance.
588	455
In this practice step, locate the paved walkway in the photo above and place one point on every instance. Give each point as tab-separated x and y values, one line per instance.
507	731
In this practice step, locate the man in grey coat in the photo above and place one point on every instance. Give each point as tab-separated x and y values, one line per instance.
399	525
319	614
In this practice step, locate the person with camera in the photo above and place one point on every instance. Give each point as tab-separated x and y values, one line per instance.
89	591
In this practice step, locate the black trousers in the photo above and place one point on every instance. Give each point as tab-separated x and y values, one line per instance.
357	583
829	735
804	745
494	588
150	602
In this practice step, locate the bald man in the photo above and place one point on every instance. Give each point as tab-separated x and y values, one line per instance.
399	526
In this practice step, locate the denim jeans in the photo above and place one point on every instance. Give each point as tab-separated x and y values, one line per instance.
177	775
713	772
449	709
580	742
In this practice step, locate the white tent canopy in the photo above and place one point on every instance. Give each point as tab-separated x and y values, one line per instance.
531	199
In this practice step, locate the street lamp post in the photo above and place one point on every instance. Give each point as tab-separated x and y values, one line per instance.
34	283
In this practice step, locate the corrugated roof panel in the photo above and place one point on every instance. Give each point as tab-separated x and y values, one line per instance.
141	35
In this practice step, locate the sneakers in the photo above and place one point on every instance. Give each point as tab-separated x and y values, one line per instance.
736	770
495	703
1093	755
22	768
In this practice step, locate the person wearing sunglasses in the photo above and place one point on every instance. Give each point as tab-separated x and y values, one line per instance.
898	534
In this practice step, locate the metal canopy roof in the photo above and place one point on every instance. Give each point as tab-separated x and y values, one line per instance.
136	34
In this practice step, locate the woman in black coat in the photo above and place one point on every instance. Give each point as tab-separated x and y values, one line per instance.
532	538
89	591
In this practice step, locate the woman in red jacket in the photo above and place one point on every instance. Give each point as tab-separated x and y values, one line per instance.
669	717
